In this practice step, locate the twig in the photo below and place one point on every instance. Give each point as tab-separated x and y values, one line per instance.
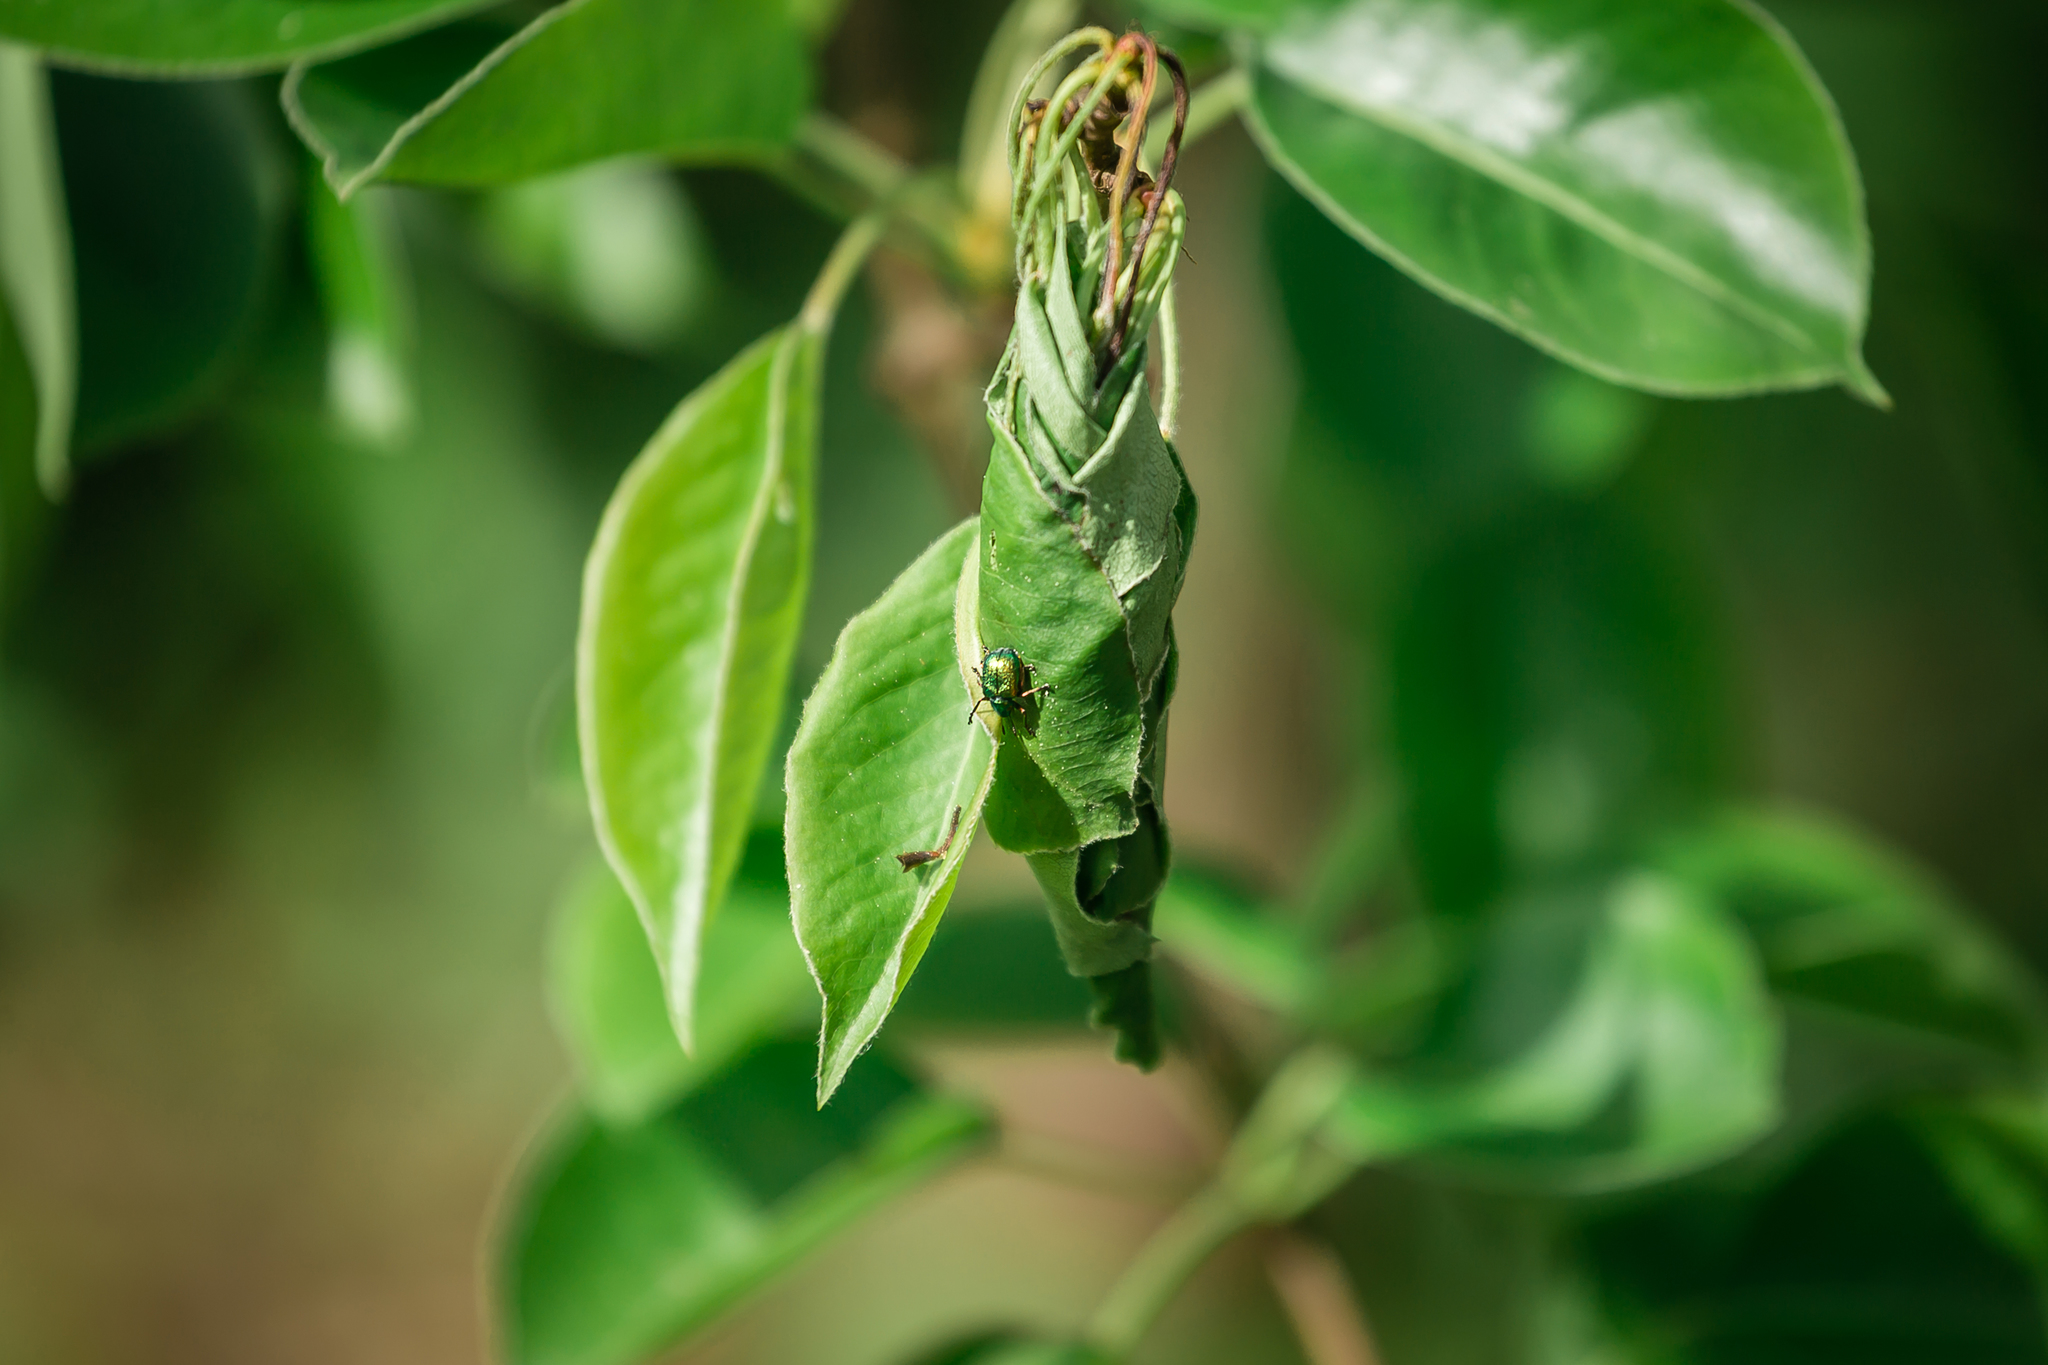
1162	1266
1320	1305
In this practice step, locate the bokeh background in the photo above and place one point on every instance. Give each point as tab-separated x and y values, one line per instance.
287	785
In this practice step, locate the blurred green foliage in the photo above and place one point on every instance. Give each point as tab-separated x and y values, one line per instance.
288	784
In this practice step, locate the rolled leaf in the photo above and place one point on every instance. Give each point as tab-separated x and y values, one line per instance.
1087	521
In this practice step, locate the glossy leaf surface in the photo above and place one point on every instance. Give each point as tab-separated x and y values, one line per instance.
35	257
1660	194
693	597
608	1004
626	1239
883	758
213	37
480	103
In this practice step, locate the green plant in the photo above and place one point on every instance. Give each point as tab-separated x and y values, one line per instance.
1567	1005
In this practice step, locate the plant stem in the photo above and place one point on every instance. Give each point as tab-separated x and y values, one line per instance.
1208	1220
854	156
1316	1294
1169	362
1215	102
861	174
1028	28
849	253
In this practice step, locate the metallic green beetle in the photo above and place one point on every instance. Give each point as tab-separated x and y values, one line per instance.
1002	677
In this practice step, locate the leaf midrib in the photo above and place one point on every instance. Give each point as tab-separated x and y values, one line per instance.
1503	170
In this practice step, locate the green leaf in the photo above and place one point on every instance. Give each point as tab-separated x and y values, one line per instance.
1004	1348
165	315
359	264
1662	195
610	1009
995	969
1089	946
1661	1056
213	37
1124	1006
1869	1246
816	19
692	601
1556	699
1224	14
613	249
1994	1150
1847	927
1222	934
478	104
35	258
24	511
622	1241
885	762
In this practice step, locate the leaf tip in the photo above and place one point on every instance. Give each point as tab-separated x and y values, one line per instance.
1864	385
681	993
838	1048
832	1068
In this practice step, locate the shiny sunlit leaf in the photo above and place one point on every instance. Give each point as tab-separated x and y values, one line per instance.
693	597
213	37
1660	194
480	103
